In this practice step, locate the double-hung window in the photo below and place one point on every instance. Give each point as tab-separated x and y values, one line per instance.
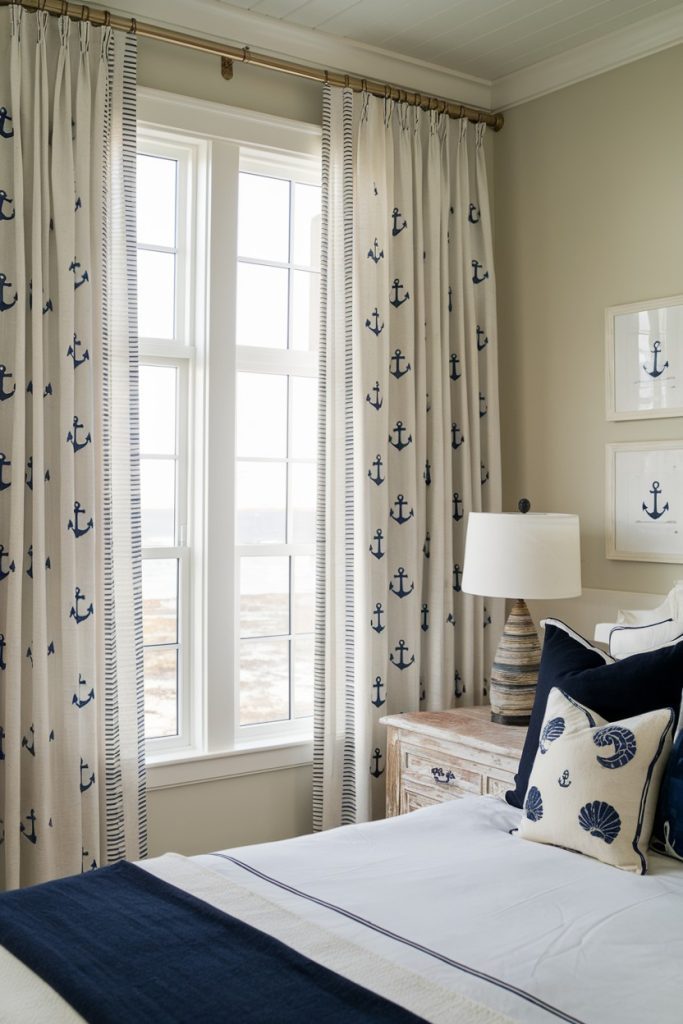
228	276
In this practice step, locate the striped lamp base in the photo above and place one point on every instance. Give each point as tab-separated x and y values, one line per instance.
515	669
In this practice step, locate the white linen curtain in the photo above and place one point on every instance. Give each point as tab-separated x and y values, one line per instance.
409	434
72	786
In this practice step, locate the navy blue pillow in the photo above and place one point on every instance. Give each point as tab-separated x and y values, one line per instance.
667	835
615	690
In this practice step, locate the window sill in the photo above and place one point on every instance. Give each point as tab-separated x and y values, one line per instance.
177	769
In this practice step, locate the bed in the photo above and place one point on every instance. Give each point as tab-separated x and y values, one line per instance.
445	912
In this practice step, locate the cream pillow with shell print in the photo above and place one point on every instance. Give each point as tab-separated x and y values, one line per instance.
594	784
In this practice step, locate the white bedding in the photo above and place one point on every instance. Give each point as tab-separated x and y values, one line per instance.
553	935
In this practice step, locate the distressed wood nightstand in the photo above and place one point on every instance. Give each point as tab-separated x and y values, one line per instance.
434	756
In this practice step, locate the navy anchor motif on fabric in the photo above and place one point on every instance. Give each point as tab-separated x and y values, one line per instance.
402	622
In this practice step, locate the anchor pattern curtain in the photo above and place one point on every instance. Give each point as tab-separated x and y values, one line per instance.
409	434
72	787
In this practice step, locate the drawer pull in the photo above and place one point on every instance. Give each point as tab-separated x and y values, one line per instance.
442	777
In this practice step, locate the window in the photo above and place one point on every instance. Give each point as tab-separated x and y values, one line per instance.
228	277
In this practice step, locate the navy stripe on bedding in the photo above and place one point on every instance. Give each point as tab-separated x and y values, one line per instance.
120	944
481	975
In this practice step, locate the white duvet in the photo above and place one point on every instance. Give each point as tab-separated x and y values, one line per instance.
445	912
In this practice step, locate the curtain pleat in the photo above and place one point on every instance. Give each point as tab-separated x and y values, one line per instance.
417	343
71	774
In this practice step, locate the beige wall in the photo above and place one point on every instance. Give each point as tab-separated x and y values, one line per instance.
230	812
589	214
173	69
270	805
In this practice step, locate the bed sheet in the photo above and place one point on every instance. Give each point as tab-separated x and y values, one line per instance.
534	932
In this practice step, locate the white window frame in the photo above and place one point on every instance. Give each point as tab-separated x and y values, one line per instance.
225	140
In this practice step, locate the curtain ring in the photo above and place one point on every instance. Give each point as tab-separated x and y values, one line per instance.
85	13
246	55
364	84
107	19
65	9
326	77
133	27
346	81
43	5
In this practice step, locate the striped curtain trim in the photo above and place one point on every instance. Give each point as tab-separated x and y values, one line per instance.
130	123
320	647
348	810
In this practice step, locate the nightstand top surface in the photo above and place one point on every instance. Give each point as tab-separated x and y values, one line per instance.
471	726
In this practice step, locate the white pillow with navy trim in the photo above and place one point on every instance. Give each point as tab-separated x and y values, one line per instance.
594	785
627	640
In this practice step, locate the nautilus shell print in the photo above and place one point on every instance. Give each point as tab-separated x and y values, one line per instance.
552	730
601	820
533	805
623	741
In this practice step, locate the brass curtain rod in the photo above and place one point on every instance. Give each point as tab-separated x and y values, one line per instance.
81	12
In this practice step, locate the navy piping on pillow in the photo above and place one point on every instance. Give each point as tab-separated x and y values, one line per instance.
580	707
612	689
559	624
630	629
646	789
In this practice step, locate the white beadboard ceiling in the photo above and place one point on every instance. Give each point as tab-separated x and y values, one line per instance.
489	39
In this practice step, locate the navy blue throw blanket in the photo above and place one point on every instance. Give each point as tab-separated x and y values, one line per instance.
121	945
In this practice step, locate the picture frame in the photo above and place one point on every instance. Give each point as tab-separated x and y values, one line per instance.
644	359
645	501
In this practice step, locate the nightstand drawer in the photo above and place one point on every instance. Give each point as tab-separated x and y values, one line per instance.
412	799
434	757
440	771
498	787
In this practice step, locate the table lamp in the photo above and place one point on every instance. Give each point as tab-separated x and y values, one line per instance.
523	556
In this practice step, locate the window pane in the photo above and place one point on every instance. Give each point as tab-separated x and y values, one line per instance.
156	201
158	410
304	417
160	600
264	596
261	511
305	310
157	480
302	503
161	692
306	242
303	594
261	416
156	294
264	681
263	232
262	306
302	676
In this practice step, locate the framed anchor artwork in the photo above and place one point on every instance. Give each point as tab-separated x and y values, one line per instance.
644	359
645	501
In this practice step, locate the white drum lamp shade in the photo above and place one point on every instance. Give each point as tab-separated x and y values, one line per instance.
528	556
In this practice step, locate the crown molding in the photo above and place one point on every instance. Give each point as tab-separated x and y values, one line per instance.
651	35
239	27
